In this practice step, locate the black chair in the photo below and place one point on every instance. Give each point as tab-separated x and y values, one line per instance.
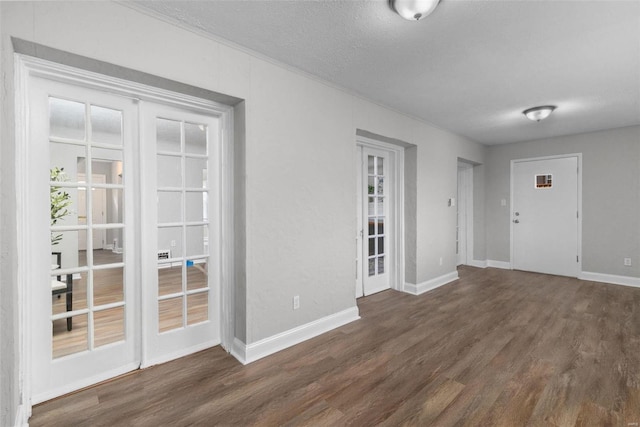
58	287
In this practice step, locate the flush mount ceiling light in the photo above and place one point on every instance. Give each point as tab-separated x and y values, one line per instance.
539	113
413	10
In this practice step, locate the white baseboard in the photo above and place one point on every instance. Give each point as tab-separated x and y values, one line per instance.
505	265
247	353
610	278
478	263
423	287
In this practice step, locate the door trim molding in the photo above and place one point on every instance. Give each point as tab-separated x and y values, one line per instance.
398	279
28	67
578	156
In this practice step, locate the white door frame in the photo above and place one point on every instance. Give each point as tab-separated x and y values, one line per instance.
512	208
397	264
162	347
465	201
27	67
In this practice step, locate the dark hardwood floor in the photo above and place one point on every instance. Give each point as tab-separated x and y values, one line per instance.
495	348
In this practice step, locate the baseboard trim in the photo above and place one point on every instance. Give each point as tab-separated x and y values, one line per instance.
247	353
610	278
478	263
423	287
504	265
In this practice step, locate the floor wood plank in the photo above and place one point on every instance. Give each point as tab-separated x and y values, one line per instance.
496	347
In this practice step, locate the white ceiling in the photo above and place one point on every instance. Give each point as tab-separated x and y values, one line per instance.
471	67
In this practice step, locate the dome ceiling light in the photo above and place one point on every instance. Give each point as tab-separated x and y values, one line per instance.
539	113
413	10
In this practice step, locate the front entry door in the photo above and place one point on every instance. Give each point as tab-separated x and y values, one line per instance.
375	177
545	216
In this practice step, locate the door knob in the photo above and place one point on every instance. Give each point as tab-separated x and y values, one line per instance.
517	221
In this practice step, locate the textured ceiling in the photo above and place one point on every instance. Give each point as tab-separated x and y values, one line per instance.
471	67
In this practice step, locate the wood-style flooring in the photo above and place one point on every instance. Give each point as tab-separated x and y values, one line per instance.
495	348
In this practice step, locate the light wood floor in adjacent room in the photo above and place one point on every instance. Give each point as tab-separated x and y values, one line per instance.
496	348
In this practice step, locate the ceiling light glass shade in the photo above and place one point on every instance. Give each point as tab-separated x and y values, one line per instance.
539	113
413	10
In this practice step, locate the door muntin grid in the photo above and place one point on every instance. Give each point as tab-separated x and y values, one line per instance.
183	223
88	289
376	196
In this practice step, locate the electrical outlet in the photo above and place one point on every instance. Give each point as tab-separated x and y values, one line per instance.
440	260
296	302
173	243
627	262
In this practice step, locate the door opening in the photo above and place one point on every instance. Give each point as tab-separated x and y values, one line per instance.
379	255
464	226
124	178
545	221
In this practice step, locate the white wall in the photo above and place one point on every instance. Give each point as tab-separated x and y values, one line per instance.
610	196
299	160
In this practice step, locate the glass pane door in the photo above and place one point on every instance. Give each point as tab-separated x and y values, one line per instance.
183	223
183	258
376	200
87	135
88	280
376	215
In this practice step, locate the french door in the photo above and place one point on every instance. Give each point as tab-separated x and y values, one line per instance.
181	229
144	178
84	303
374	200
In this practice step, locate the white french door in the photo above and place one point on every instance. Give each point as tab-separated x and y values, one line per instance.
145	176
181	207
374	199
545	218
84	327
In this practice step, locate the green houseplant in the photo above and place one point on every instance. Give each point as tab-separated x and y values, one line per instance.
60	201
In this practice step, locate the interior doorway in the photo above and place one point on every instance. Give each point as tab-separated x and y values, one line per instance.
132	305
464	211
545	221
379	195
